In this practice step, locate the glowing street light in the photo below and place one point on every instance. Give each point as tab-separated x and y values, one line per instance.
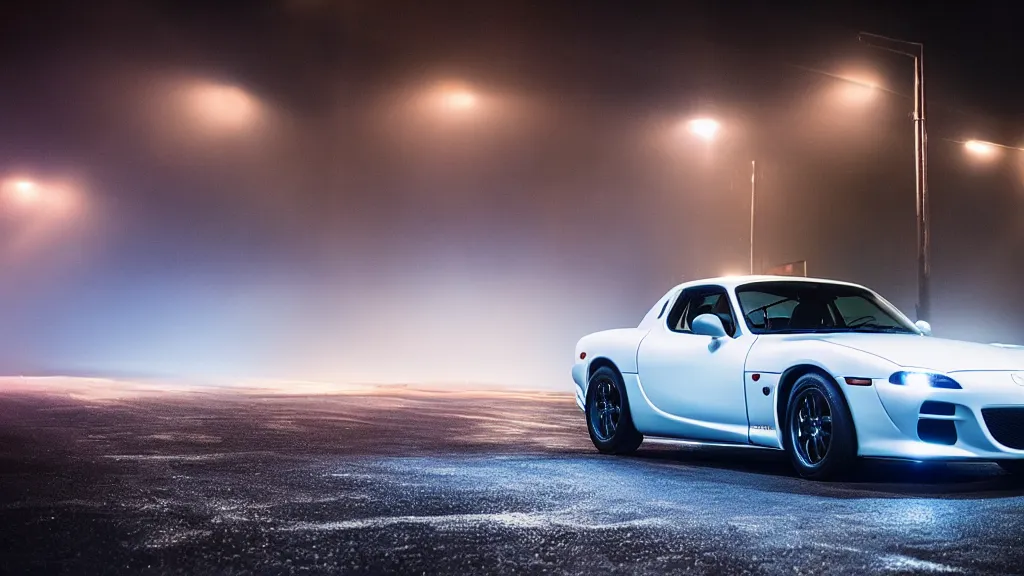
25	191
704	128
50	196
858	89
222	107
459	99
981	148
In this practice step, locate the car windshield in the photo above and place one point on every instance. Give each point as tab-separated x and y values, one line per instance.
801	307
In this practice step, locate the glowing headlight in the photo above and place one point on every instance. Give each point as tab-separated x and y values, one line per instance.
924	380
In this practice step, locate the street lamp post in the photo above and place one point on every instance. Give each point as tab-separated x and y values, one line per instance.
920	164
706	129
753	206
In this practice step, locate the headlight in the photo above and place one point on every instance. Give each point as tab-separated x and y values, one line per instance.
924	380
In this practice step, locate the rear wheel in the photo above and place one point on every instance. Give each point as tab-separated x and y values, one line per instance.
819	436
608	418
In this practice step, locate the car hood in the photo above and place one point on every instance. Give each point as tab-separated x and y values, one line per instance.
940	354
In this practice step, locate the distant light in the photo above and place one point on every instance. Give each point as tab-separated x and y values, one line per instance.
22	190
26	191
858	91
704	128
980	148
460	100
53	197
223	106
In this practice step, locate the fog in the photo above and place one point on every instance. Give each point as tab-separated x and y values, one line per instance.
389	193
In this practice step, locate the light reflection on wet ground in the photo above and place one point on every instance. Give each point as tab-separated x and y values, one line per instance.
441	482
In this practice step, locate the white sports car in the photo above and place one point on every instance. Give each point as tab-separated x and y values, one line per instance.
827	371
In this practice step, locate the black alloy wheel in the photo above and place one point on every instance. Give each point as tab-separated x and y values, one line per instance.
811	430
608	418
605	410
819	433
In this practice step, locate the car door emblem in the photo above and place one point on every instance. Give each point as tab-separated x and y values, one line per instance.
1018	378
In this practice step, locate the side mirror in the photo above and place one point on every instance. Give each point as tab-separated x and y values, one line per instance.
708	325
924	327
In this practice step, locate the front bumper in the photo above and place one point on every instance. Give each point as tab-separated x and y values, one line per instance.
949	410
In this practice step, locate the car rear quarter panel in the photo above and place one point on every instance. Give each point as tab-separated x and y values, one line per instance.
618	346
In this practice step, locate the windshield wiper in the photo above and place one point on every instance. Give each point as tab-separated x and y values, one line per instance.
767	306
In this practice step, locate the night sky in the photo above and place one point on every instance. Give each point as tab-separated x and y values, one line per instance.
457	191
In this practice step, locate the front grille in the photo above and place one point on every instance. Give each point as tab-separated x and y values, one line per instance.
1006	425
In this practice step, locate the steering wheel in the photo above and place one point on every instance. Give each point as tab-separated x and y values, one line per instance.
858	322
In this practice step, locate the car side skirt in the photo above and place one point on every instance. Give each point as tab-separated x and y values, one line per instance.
685	442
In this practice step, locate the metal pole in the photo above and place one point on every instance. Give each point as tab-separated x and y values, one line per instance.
921	184
753	206
924	235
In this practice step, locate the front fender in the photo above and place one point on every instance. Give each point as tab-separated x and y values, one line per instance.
773	355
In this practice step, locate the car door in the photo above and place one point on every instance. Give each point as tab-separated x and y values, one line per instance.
696	382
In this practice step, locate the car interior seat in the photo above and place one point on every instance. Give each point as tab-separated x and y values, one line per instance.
810	315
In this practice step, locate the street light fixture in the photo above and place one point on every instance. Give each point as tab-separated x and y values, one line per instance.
222	107
25	191
704	128
985	148
459	100
51	197
980	148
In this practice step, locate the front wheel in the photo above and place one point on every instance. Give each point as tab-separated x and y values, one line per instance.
819	437
608	418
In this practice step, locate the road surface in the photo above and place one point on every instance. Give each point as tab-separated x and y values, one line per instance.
433	482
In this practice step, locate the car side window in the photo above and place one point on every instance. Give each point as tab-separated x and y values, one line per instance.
663	307
676	320
696	301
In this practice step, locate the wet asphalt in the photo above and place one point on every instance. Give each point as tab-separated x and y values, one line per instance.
428	482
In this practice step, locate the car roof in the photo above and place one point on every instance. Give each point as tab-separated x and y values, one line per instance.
734	281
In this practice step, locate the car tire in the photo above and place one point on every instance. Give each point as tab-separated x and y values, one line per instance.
819	435
608	418
1014	467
